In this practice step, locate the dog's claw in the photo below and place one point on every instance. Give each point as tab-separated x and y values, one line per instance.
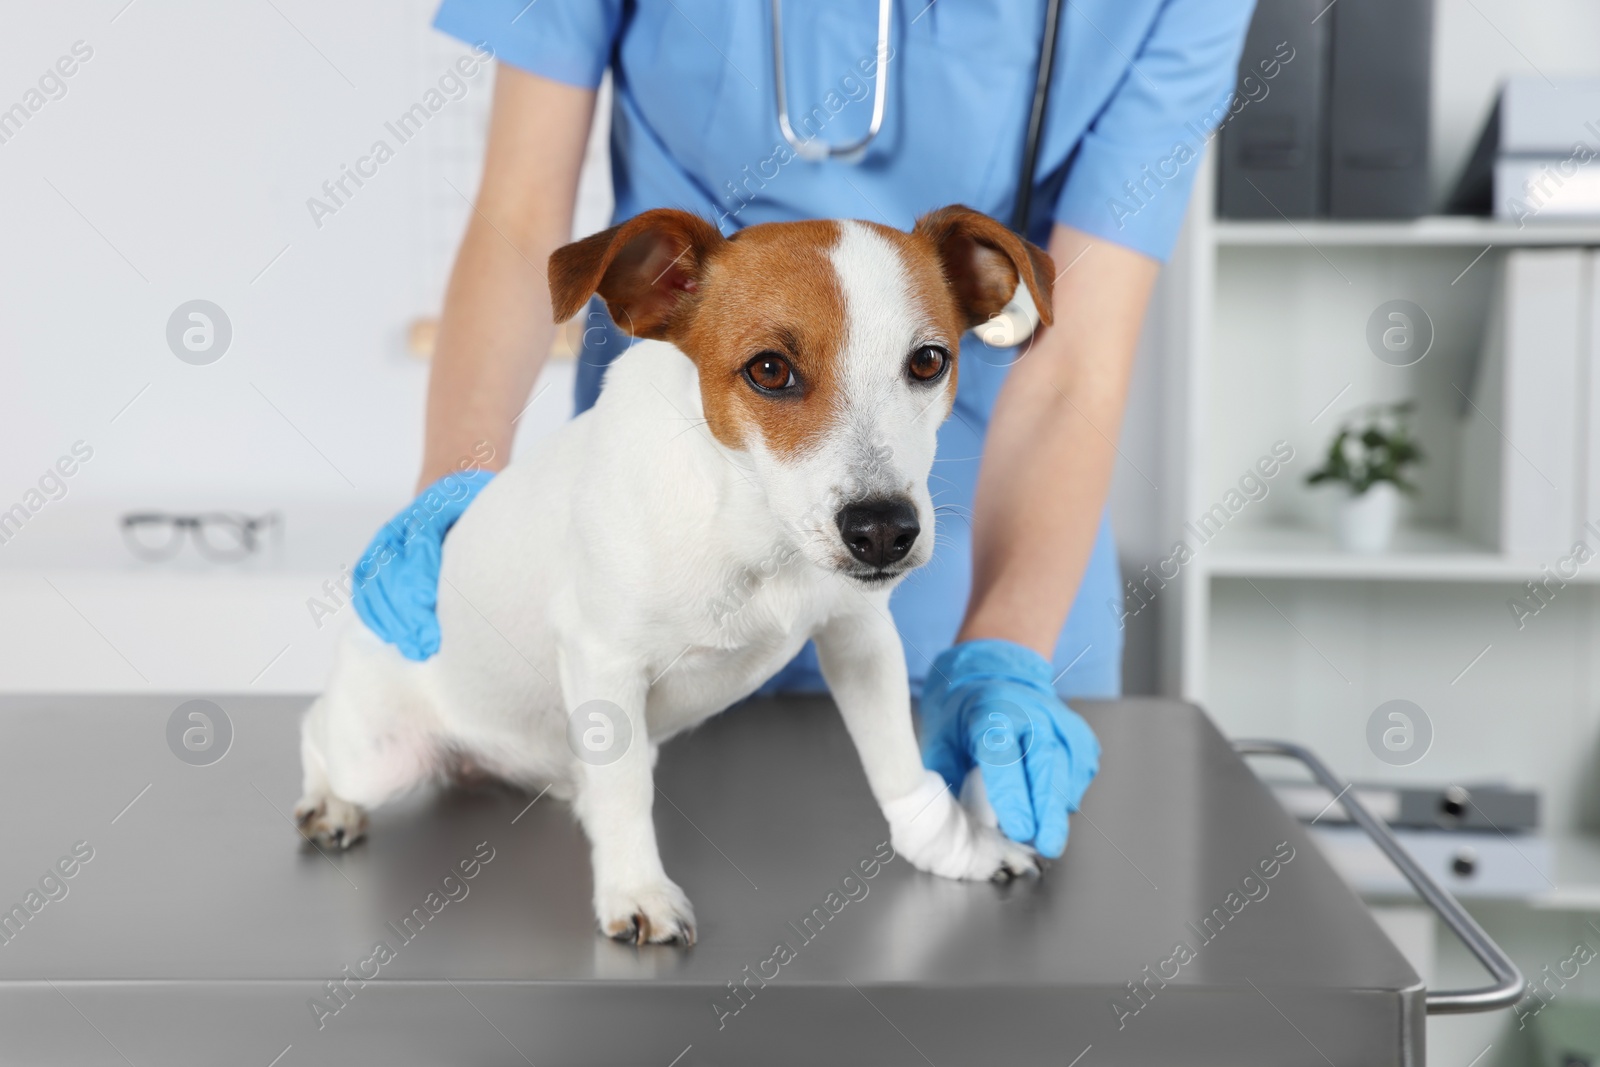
653	915
639	930
330	821
1014	860
1010	870
680	934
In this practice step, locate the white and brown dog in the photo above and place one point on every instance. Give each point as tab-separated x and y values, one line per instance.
772	434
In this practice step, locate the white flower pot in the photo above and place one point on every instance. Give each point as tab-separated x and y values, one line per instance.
1366	523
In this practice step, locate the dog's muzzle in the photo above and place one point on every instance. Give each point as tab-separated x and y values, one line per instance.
879	533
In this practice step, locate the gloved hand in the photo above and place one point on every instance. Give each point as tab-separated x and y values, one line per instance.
396	581
992	704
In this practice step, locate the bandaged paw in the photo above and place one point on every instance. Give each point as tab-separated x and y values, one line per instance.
929	828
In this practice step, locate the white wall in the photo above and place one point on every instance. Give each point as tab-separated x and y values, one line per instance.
178	165
1477	43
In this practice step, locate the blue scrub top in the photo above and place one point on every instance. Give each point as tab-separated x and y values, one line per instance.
1137	88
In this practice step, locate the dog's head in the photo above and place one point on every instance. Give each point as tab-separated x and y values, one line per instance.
826	353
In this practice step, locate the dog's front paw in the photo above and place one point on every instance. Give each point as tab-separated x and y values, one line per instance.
1002	858
655	913
937	835
329	821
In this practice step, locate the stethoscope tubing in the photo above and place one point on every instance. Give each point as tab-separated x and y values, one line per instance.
815	149
1041	100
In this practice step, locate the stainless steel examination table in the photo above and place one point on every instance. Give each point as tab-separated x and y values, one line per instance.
200	930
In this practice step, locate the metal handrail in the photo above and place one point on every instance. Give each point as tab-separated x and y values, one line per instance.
1508	985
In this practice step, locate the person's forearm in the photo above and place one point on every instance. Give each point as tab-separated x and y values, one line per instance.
1051	446
493	339
496	327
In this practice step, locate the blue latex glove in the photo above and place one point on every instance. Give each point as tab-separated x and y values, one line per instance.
397	578
992	704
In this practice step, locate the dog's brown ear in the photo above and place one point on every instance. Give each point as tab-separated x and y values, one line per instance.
983	261
647	270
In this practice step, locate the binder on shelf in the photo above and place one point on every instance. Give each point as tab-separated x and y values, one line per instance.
1474	190
1520	425
1378	108
1341	129
1540	132
1545	187
1545	118
1274	156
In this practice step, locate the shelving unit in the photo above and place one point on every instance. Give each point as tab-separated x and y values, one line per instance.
1274	628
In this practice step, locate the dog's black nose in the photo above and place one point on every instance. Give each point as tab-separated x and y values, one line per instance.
879	532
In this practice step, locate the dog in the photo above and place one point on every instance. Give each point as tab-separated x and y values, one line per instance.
753	476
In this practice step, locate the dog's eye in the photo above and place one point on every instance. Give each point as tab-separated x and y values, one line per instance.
928	363
770	373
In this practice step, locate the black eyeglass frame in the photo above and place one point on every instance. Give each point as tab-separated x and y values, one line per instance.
244	528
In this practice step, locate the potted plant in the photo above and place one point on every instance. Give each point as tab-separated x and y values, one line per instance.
1370	457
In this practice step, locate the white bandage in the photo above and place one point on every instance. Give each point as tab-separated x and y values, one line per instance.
931	830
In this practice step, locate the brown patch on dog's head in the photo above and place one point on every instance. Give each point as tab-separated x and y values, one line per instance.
772	289
983	262
670	276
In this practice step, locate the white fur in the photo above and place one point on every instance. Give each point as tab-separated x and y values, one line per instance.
632	558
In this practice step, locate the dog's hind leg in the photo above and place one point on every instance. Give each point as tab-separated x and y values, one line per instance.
321	815
634	900
362	743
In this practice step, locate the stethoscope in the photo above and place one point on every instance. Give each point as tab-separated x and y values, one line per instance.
816	150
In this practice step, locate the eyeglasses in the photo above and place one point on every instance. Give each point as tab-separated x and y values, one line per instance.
223	536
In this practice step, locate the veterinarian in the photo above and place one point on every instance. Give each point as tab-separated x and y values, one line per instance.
1021	605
